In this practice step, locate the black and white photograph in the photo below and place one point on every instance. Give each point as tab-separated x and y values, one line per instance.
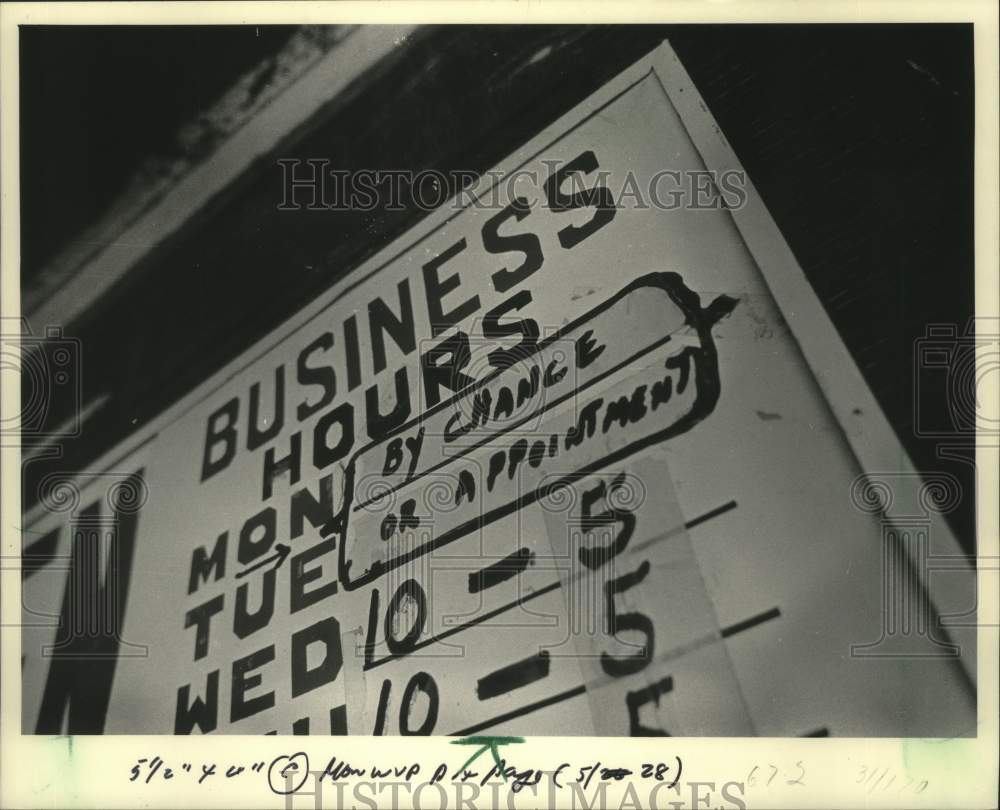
495	381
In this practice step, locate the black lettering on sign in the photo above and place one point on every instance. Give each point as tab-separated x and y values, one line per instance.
353	353
407	520
201	713
324	453
88	639
442	366
306	507
597	197
587	349
290	464
338	720
305	679
394	453
201	618
595	556
619	666
243	681
299	597
513	676
323	376
246	623
636	700
383	707
382	321
338	723
263	524
202	564
408	594
526	327
466	487
626	409
421	682
554	373
527	243
258	436
373	613
220	430
437	288
586	422
500	571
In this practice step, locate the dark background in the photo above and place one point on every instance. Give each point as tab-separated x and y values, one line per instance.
859	138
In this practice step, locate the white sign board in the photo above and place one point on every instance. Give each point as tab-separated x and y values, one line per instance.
556	462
